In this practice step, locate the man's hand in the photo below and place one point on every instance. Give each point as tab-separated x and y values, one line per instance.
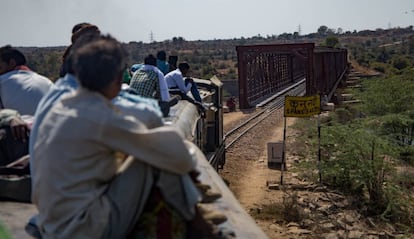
19	129
188	80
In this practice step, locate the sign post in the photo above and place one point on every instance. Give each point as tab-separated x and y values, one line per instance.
319	151
301	107
282	168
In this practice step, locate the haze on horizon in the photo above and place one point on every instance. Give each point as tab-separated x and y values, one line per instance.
49	22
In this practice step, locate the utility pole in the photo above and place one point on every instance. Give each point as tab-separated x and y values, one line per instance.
151	37
299	30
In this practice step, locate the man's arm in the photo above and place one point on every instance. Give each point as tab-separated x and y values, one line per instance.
161	147
165	95
19	128
179	80
162	84
6	115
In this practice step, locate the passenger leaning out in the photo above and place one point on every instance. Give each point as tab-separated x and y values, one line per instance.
177	84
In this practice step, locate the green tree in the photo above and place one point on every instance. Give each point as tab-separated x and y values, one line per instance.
322	30
411	45
389	102
400	62
399	127
383	55
392	95
332	41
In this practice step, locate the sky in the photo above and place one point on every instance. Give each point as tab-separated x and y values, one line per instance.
49	22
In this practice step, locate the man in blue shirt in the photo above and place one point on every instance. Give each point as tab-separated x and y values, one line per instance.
162	63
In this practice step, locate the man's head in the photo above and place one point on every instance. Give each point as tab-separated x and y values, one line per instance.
78	26
162	56
82	29
150	60
184	68
78	31
99	65
81	41
10	58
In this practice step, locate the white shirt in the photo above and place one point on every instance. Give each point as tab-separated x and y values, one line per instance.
175	80
77	141
22	90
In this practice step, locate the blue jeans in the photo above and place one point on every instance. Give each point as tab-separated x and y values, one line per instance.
194	91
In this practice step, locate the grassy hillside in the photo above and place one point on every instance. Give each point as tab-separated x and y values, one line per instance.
219	57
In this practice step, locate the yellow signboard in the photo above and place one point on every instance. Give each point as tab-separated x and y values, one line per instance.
302	106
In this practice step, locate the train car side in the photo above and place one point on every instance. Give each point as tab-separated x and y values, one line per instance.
205	129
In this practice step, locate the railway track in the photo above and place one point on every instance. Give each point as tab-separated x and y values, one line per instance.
273	104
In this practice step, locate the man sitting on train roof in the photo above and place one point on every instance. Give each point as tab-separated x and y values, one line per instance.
20	88
148	81
178	85
146	110
76	200
20	92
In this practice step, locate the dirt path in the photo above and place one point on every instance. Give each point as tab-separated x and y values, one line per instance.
248	174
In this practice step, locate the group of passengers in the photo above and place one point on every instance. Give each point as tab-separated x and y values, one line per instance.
102	164
155	79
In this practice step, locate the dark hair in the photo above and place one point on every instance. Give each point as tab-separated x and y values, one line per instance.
150	60
79	26
8	52
183	66
78	31
97	63
84	29
172	62
162	56
67	66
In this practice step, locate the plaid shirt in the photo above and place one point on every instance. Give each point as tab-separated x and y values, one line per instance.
146	83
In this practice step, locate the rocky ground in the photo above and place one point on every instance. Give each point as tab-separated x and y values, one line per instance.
296	209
